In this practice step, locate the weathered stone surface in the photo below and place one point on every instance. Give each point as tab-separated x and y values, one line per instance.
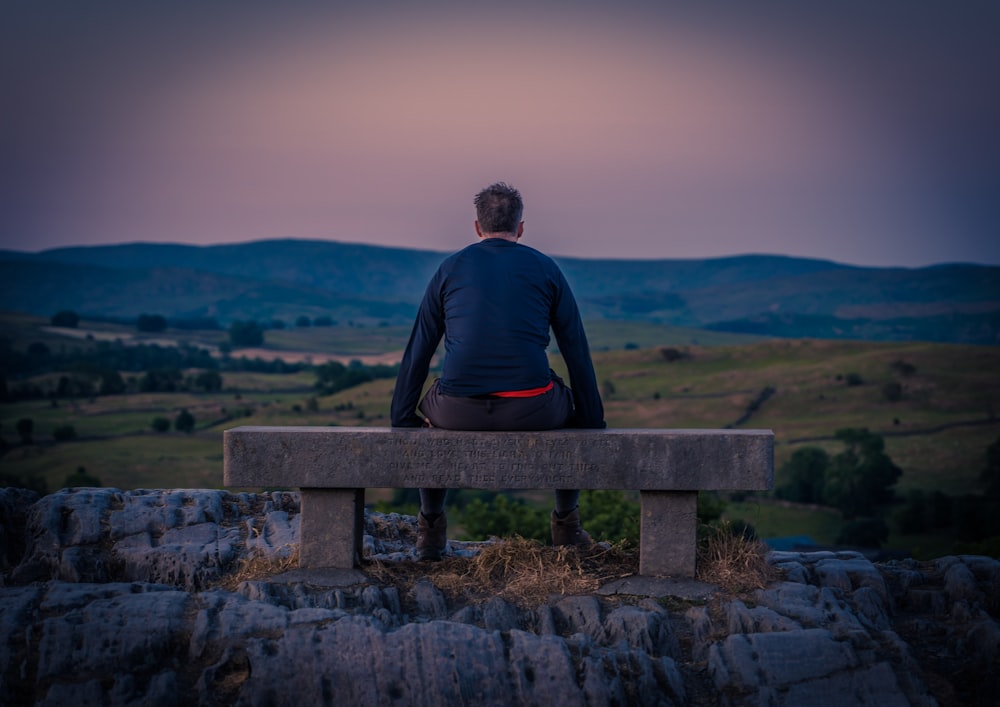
382	457
184	537
83	621
333	465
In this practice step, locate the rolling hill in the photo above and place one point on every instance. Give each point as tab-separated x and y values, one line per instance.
286	279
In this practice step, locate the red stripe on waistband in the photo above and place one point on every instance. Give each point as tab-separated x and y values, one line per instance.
529	393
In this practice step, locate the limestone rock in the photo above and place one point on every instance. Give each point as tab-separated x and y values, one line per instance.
110	597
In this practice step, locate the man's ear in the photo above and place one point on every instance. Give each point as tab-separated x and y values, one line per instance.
479	231
520	229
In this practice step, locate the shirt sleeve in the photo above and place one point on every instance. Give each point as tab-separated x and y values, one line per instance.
424	339
572	341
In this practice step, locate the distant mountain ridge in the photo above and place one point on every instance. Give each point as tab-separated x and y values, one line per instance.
285	279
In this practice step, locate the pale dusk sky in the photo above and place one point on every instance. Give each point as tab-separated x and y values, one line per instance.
859	132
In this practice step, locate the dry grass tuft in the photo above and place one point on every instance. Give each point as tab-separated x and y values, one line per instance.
258	567
528	574
520	571
734	562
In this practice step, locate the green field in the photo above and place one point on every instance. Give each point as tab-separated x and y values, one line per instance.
936	428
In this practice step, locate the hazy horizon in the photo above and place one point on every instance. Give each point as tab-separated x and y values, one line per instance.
445	252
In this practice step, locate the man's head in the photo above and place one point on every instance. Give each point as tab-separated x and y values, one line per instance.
498	209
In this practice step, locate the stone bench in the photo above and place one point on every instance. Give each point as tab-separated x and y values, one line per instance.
332	466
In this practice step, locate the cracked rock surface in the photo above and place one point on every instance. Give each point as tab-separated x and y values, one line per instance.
109	597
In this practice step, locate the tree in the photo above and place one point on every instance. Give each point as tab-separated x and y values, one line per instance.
26	480
38	349
504	517
334	376
247	333
864	532
670	354
610	516
160	424
81	479
303	321
990	476
860	478
209	381
804	473
161	381
65	318
151	323
913	517
112	383
64	433
892	391
26	428
184	422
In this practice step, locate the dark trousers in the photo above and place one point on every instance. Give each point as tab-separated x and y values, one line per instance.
548	411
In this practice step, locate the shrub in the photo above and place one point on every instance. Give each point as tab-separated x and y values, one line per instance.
864	532
990	475
160	424
913	516
862	476
65	318
893	392
151	323
670	354
184	422
610	515
804	473
112	383
26	429
903	368
81	479
247	333
504	517
209	381
64	433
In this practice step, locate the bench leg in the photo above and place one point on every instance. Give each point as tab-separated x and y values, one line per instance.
331	526
668	533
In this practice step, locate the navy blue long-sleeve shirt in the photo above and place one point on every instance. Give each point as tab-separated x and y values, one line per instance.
494	303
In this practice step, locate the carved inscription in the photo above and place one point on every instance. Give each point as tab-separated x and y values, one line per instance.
486	461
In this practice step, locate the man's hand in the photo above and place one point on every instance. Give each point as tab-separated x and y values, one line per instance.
413	420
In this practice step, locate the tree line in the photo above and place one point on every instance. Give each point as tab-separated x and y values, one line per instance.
859	481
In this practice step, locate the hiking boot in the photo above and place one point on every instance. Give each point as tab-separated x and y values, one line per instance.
432	537
568	531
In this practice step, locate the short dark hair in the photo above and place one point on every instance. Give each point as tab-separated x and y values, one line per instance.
499	208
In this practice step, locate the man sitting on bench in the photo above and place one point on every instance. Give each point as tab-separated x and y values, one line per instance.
494	303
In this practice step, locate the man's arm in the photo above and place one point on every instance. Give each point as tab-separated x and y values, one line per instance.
572	341
424	339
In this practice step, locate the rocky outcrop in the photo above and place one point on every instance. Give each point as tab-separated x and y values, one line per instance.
111	597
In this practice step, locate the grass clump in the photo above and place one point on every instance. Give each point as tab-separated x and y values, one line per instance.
527	574
258	566
519	570
734	561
